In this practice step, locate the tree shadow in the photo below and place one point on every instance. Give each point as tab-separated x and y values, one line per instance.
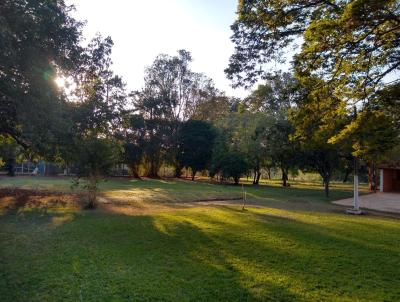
204	254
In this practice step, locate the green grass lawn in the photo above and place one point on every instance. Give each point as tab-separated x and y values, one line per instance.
199	254
282	252
166	191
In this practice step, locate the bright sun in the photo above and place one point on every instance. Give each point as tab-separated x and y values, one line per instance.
60	81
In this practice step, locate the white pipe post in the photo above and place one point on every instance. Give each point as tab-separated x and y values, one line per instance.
356	199
381	180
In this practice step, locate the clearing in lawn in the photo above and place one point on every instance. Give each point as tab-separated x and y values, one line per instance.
281	252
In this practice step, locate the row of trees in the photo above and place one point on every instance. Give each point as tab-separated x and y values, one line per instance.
333	112
346	67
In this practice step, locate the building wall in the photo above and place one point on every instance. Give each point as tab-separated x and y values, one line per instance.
387	180
391	180
396	180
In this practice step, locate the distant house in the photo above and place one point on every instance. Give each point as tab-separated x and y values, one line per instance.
390	177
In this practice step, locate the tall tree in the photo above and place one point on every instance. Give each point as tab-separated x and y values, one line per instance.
150	130
134	137
371	134
100	95
37	39
97	111
196	141
352	47
283	151
317	118
175	92
274	99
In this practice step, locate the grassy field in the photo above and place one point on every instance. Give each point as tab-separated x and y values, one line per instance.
296	248
176	191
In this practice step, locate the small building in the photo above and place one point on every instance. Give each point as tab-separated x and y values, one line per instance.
389	178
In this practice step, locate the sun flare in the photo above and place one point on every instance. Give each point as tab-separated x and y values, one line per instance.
61	82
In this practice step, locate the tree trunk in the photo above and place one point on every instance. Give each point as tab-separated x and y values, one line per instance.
153	173
268	173
257	175
10	166
346	175
178	171
134	172
284	177
193	174
372	177
236	180
92	192
326	185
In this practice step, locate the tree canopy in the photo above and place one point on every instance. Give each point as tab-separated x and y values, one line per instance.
36	40
353	43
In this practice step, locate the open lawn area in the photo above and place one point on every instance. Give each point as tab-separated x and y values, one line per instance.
297	247
132	191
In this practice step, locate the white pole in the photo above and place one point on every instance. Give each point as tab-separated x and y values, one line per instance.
381	180
356	200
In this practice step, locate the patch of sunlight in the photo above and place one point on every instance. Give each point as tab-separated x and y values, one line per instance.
161	226
209	220
133	180
60	220
6	203
259	275
168	182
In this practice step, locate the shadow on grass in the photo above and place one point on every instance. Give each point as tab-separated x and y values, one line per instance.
202	254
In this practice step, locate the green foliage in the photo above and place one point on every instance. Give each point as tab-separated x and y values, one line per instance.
351	43
388	100
9	151
38	38
229	162
172	94
284	152
133	155
372	134
178	89
93	159
100	93
196	141
272	102
349	50
94	156
150	134
318	117
233	164
277	95
214	109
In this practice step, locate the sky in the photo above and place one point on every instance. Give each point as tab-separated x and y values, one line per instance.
143	29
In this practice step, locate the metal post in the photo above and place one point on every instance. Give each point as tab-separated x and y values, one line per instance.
244	197
356	202
356	199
